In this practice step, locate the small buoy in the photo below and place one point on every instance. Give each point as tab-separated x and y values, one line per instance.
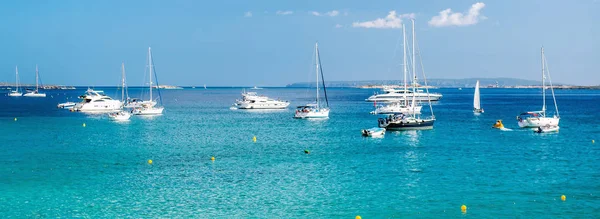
149	161
463	208
16	120
358	217
212	158
592	139
306	151
254	139
563	198
83	124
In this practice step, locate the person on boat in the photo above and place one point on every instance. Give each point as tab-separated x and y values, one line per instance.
498	125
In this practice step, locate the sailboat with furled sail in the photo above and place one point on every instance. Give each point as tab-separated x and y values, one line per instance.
539	119
315	110
121	115
411	120
477	100
36	92
16	92
150	107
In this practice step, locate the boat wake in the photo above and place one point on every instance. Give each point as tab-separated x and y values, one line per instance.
505	129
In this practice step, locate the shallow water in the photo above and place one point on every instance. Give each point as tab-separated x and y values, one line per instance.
52	166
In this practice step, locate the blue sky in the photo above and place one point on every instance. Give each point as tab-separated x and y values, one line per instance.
270	43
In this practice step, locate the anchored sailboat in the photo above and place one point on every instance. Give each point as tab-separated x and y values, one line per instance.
539	119
122	115
400	106
35	93
315	110
477	100
411	120
16	92
150	107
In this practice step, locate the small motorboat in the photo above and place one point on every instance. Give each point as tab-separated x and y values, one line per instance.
67	105
547	128
373	132
120	116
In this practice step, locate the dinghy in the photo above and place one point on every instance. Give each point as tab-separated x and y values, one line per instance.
373	132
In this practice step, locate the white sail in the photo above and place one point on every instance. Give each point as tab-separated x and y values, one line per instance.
476	98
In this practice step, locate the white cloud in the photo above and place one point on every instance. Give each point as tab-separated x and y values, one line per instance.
284	12
333	13
447	18
392	20
329	13
338	26
248	14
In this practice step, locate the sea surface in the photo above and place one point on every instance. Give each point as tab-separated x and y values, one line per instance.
52	166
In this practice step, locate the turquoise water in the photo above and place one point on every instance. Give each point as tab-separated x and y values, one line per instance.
52	166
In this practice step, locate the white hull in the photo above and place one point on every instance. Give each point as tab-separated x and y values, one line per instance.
120	116
398	97
538	122
322	113
396	108
34	95
547	129
67	105
148	111
378	132
278	105
109	106
15	94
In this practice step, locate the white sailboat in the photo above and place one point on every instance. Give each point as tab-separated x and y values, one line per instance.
16	92
477	100
149	107
35	93
401	106
412	120
539	119
121	115
315	110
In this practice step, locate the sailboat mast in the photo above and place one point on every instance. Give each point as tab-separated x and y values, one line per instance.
150	65
17	77
36	78
414	71
404	63
317	70
123	82
543	84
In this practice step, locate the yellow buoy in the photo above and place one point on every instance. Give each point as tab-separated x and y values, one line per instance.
563	198
592	140
254	139
83	124
463	208
212	158
149	161
358	217
16	120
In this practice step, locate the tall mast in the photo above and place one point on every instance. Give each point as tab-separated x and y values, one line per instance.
17	77
123	82
543	84
414	71
404	63
150	64
36	78
317	72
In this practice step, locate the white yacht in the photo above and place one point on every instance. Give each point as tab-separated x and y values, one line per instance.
35	93
149	107
251	100
315	110
397	95
96	101
397	107
536	119
16	92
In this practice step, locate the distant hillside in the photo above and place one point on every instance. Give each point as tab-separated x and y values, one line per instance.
466	82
